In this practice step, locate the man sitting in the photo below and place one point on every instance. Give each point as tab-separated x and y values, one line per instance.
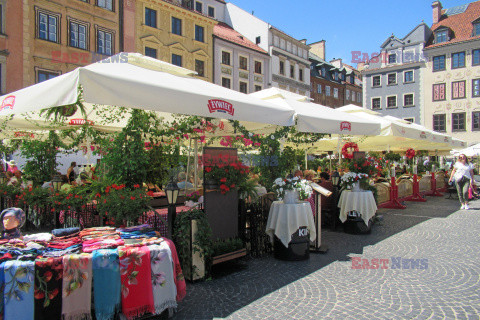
182	181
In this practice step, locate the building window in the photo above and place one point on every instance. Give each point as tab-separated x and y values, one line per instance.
439	92
476	88
439	122
150	17
104	42
376	103
319	88
176	26
258	88
282	68
441	36
476	57
458	90
336	75
258	67
475	121
243	61
211	12
176	59
347	94
476	29
458	60
324	73
2	19
48	26
335	93
392	102
327	91
226	58
300	74
392	58
199	33
353	96
43	75
458	121
78	35
408	76
439	63
392	78
258	40
243	87
151	52
359	97
105	4
411	120
200	67
292	71
198	6
376	81
226	83
408	100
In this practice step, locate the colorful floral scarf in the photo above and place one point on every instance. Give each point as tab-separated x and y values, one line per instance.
77	287
18	292
48	288
2	287
177	269
135	270
106	283
163	283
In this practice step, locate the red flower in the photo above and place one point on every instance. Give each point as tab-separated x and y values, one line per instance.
107	190
208	169
53	294
232	185
98	195
223	180
150	193
47	276
132	198
136	186
39	295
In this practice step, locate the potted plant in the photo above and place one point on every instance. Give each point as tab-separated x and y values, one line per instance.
290	190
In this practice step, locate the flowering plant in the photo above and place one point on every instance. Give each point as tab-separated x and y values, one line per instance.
410	153
280	186
347	147
363	165
227	176
349	178
194	196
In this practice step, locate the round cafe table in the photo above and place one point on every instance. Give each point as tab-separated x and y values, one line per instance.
362	202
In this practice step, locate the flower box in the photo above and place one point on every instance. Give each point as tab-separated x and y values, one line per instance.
229	256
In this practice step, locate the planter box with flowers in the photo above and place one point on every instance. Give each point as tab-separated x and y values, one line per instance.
292	190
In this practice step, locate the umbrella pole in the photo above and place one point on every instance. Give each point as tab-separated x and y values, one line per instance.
306	159
195	175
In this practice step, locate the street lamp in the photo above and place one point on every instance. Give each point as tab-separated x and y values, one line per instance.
172	194
57	182
336	184
336	178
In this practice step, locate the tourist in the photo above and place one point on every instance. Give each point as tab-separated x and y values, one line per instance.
67	185
309	174
182	181
71	172
463	174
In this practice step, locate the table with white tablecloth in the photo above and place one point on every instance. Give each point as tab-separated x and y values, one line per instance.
362	202
285	219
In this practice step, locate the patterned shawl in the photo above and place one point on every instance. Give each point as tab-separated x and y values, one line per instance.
2	287
164	290
106	283
177	269
18	292
77	287
48	288
135	270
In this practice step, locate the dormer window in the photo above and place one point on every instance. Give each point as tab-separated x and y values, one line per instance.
392	58
336	76
324	73
441	36
476	29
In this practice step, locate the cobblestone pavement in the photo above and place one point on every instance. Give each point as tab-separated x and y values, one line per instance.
326	286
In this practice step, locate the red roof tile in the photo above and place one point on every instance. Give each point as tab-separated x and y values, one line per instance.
225	32
460	25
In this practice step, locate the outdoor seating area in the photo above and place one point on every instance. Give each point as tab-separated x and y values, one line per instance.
180	175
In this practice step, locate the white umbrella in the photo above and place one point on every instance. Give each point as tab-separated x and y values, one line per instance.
135	81
472	151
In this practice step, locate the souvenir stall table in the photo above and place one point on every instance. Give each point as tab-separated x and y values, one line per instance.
291	228
357	207
130	272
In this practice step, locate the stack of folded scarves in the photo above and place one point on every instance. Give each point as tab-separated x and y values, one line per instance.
60	246
100	238
137	232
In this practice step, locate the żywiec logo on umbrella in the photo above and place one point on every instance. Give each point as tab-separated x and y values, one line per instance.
8	102
423	135
220	106
80	122
345	126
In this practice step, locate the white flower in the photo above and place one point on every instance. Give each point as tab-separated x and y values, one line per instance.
281	189
250	134
278	181
272	137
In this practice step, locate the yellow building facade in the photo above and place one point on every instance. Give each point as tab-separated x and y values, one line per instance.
172	32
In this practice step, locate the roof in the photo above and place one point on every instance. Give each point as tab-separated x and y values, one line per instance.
177	4
459	21
286	34
225	32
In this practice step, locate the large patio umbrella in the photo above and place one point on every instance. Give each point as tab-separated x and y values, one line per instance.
135	81
472	151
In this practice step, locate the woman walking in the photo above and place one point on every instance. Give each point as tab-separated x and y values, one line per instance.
463	174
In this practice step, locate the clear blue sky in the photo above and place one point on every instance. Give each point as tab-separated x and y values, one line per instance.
346	25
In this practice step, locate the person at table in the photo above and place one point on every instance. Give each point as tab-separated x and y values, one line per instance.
182	181
71	172
67	185
309	174
463	174
259	189
298	173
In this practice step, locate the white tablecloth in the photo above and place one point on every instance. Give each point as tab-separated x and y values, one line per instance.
285	219
363	202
